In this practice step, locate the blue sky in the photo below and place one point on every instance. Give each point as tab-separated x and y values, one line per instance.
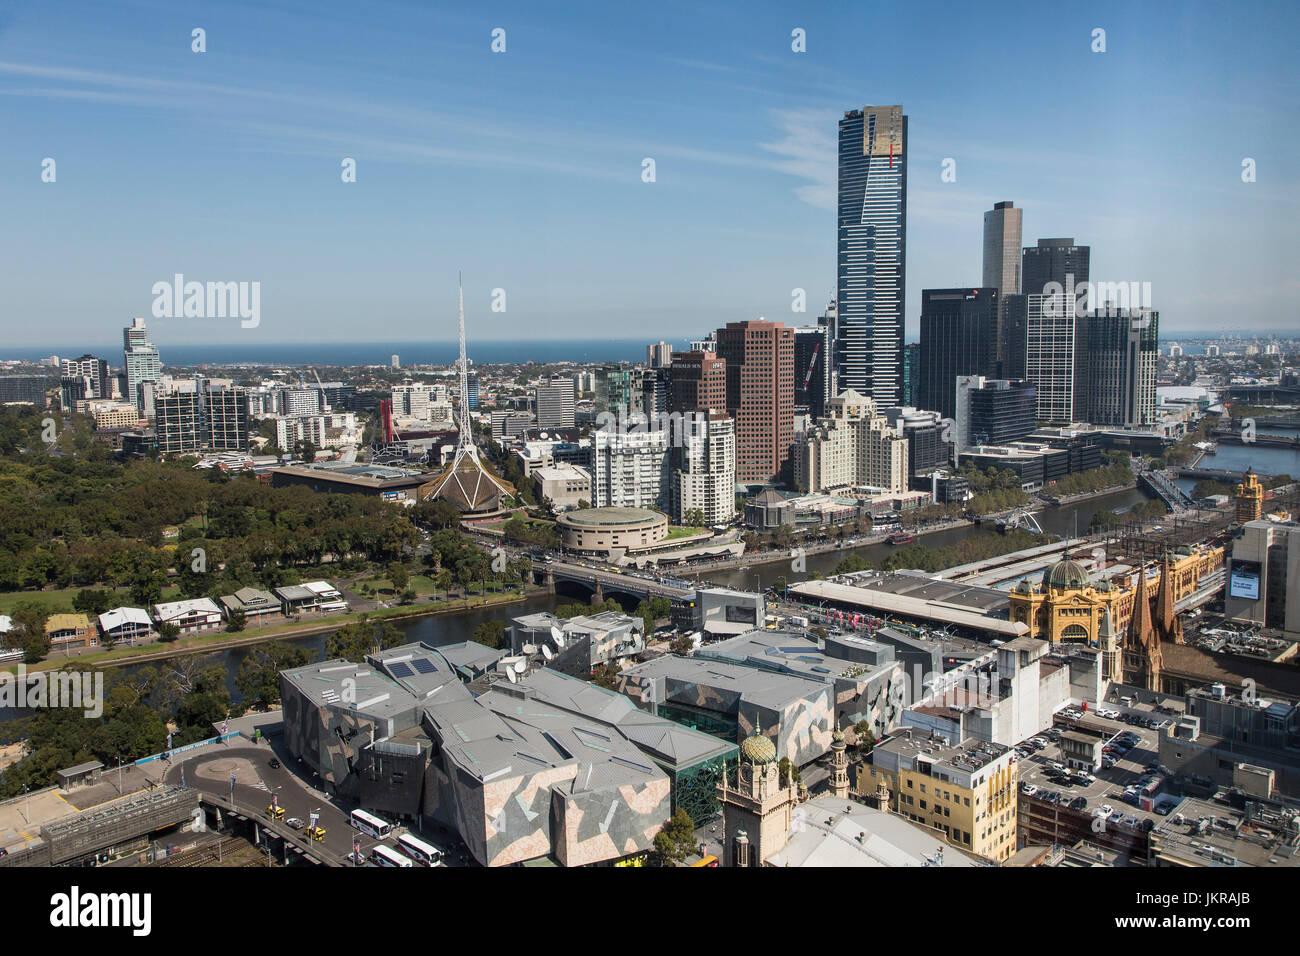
524	168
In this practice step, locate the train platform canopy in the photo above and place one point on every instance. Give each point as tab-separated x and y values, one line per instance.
938	602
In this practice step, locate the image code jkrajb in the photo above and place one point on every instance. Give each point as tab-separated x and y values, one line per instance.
534	435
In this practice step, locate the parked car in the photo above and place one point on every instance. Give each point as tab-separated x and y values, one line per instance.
1105	809
1131	821
1116	817
1079	803
273	763
1028	789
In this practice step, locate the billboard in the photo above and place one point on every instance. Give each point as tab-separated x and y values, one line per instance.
1244	580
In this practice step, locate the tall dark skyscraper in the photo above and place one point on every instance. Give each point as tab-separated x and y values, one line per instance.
812	377
871	263
1053	260
958	337
1118	355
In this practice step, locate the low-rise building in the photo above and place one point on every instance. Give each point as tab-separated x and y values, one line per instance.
127	624
258	607
579	644
70	630
567	486
198	614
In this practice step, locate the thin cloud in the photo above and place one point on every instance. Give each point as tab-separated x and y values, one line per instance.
808	149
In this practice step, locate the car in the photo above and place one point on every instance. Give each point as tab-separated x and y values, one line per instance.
1055	765
1152	767
316	833
1116	817
1164	809
1028	789
1130	798
1105	809
1082	779
1079	803
1107	762
295	823
1131	821
273	763
1052	796
356	859
1037	744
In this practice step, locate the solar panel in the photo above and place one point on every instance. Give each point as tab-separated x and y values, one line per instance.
424	665
400	670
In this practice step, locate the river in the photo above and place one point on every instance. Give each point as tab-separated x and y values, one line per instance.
439	629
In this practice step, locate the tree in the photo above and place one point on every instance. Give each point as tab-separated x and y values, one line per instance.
693	518
398	576
236	620
786	769
675	841
28	619
92	602
863	735
490	633
354	641
167	631
258	678
606	676
681	645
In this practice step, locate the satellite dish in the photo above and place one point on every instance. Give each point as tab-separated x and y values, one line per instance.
520	666
530	648
556	633
511	674
547	652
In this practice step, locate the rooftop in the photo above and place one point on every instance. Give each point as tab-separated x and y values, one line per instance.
828	831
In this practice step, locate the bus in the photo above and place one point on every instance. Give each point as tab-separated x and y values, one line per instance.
707	861
370	825
386	857
419	851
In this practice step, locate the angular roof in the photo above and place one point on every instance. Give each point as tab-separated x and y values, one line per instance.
115	618
166	612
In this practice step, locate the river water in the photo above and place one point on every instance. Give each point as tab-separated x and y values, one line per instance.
440	629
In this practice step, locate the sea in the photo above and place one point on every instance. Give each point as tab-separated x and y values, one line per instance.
517	352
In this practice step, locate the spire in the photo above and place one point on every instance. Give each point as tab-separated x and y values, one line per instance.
1168	625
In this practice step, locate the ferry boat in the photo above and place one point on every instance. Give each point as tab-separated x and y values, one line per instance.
901	537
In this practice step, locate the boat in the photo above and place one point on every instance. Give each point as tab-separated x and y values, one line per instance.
901	537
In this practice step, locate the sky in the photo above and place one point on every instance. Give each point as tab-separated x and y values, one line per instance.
524	168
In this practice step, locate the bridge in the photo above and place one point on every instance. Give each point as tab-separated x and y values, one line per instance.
600	580
1262	439
1158	483
1020	518
1231	477
290	839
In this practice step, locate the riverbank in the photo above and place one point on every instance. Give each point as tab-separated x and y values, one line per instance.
225	640
1055	502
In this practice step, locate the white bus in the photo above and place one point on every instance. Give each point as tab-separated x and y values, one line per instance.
386	857
370	825
419	851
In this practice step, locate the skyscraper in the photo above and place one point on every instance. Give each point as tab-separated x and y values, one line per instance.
958	337
871	247
1049	355
1053	260
94	370
554	404
697	381
812	376
1117	352
1002	248
659	354
142	362
704	468
760	395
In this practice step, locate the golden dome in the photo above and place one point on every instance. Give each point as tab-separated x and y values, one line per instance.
758	749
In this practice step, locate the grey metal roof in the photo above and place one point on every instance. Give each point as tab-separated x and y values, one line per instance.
771	689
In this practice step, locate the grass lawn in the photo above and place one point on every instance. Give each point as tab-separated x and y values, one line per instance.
674	533
61	600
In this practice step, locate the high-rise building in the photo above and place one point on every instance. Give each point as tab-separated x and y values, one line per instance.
704	468
142	362
1117	351
871	247
554	404
1054	261
958	337
912	375
654	390
95	370
854	446
26	389
618	387
760	395
697	381
659	354
203	418
1049	355
630	469
929	443
812	368
992	411
1002	248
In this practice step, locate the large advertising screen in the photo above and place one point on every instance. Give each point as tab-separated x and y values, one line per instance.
1244	581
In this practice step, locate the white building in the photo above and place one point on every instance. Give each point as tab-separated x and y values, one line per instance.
630	469
704	468
413	401
852	447
1049	355
565	485
199	614
125	624
554	404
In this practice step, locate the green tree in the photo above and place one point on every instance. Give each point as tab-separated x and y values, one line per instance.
258	678
168	632
682	645
28	619
490	633
675	841
865	738
352	642
236	620
786	768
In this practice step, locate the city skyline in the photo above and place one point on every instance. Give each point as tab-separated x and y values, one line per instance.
170	166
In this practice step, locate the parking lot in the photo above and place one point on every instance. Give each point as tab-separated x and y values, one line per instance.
1039	782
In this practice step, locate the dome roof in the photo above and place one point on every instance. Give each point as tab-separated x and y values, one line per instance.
758	749
1065	575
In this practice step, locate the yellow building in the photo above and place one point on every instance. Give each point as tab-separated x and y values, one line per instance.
967	791
1066	607
70	630
1250	498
